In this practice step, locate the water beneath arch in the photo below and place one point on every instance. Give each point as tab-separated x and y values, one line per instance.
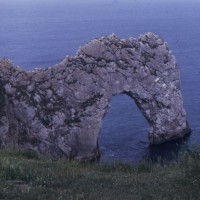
124	136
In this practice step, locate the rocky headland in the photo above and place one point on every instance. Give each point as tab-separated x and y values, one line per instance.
58	111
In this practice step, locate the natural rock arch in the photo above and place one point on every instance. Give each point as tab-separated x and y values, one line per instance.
58	111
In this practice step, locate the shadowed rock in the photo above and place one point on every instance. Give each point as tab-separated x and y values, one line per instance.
58	111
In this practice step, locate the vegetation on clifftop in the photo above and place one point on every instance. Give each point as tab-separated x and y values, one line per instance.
26	176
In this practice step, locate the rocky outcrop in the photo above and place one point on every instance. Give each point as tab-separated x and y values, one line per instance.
58	111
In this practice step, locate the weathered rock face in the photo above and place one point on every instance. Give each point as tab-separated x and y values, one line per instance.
58	111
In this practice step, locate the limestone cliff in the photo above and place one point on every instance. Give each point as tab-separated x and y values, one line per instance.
58	111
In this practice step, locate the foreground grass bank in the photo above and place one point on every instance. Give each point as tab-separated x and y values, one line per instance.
27	177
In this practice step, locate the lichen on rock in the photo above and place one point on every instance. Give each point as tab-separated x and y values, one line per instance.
58	111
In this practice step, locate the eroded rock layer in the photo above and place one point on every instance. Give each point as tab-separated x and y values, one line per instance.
58	111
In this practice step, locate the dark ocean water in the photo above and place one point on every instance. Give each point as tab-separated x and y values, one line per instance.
40	33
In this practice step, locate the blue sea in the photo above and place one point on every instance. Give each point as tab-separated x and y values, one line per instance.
41	33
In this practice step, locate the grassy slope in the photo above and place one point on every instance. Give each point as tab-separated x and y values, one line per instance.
27	177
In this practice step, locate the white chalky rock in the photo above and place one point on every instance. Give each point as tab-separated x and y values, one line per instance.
58	111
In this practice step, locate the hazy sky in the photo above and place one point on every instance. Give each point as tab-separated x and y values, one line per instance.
94	1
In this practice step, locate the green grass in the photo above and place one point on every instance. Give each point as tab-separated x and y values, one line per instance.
29	177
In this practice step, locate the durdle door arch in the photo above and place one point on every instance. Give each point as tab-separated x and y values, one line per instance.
58	111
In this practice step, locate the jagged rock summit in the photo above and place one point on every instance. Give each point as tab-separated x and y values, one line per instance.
58	111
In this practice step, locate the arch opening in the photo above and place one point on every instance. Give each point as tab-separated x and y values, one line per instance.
124	132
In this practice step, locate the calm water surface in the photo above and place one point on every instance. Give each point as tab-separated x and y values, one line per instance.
41	33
